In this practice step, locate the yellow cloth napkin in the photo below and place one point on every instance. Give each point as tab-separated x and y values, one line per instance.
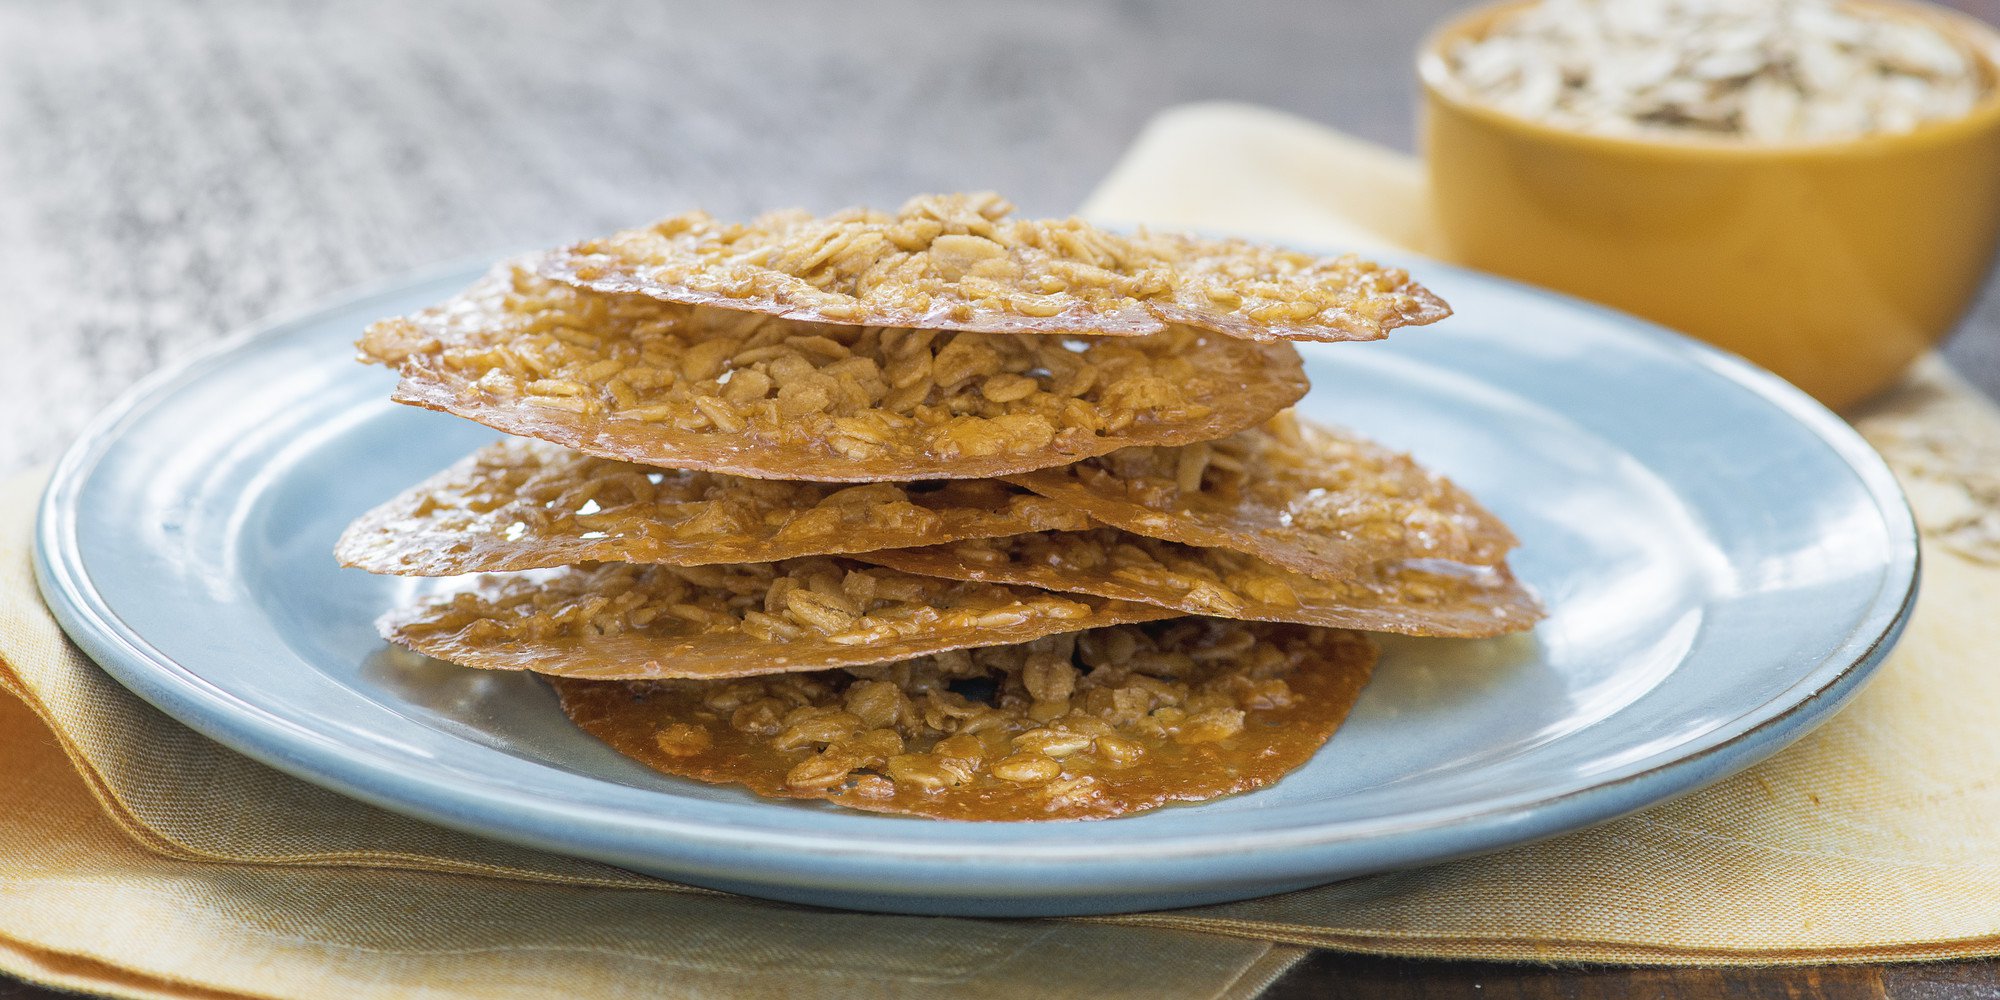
139	859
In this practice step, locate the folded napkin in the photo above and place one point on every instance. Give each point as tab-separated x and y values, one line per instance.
137	858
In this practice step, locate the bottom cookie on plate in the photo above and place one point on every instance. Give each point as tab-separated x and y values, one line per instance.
1084	725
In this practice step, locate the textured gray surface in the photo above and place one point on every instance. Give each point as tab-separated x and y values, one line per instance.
172	171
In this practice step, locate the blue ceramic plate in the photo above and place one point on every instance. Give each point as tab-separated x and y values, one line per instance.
1723	561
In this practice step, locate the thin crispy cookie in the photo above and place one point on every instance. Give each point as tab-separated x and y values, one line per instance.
1421	597
1069	727
631	378
1322	502
957	262
519	505
623	622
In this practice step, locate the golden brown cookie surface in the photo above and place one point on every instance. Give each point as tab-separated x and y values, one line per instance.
1078	726
958	262
625	622
1417	597
627	377
1322	502
519	504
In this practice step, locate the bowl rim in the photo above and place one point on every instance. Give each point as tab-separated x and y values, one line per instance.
1982	40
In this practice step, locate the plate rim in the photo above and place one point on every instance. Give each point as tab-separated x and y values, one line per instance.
369	775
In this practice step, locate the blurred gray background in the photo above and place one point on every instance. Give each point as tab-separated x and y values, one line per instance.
172	171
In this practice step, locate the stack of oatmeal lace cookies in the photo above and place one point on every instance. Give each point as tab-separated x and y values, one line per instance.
937	512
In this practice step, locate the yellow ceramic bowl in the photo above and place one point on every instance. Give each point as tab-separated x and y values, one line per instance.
1833	264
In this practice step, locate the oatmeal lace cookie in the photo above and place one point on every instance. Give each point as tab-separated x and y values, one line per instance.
1426	597
1322	502
628	377
520	504
618	621
1075	726
959	262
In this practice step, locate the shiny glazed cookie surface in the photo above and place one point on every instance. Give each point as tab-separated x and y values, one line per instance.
520	504
628	377
625	622
1322	502
1076	726
1415	597
958	262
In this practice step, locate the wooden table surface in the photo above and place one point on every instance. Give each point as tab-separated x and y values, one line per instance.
170	172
